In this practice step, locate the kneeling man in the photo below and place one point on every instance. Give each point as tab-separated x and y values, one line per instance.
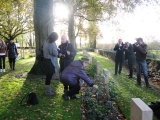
71	76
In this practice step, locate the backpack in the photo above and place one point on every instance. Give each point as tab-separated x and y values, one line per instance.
31	99
39	56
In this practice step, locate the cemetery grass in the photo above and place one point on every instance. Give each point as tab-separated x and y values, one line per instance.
15	84
126	87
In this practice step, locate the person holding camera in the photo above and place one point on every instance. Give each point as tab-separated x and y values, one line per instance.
66	53
128	47
119	58
141	52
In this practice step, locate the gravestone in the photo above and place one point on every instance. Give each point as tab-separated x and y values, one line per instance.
93	60
106	79
106	73
139	110
98	67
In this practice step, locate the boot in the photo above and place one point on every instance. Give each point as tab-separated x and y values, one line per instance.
10	64
13	66
48	91
74	97
65	97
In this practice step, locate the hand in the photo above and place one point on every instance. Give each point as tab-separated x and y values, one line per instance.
68	53
95	86
60	54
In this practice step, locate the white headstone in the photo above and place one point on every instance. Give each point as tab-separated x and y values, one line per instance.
106	74
98	67
140	111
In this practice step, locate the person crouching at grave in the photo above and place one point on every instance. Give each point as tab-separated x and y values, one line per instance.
71	75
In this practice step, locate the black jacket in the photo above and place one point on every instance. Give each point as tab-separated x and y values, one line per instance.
130	55
12	50
119	53
63	48
65	60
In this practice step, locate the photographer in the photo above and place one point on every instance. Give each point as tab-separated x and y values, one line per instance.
66	53
119	58
130	56
141	52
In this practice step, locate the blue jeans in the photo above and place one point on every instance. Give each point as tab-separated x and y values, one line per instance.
142	64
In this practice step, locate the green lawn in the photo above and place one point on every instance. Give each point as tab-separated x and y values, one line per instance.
14	85
126	87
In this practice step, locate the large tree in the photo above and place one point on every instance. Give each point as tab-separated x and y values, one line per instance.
15	18
43	26
93	10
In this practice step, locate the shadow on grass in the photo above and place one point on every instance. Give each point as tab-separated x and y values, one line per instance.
13	87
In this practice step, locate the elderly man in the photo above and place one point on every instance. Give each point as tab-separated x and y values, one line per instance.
66	54
71	75
141	52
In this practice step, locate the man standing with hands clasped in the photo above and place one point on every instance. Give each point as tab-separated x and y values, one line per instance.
66	53
141	52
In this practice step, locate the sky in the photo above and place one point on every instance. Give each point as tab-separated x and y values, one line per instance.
144	22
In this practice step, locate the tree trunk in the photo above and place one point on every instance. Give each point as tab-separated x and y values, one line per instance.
71	32
94	44
43	26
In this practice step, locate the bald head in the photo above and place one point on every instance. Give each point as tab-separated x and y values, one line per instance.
63	39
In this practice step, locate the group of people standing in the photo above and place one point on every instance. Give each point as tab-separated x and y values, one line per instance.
70	71
134	53
10	51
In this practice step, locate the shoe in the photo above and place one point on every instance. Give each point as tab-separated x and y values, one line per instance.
129	77
3	70
65	97
137	84
49	92
74	97
148	86
65	90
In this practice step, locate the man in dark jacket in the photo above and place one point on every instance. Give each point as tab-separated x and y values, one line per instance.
71	75
141	52
119	58
128	47
66	53
12	53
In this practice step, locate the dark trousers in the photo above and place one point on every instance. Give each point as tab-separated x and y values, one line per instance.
48	69
48	78
63	64
74	89
2	61
118	65
12	63
130	69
